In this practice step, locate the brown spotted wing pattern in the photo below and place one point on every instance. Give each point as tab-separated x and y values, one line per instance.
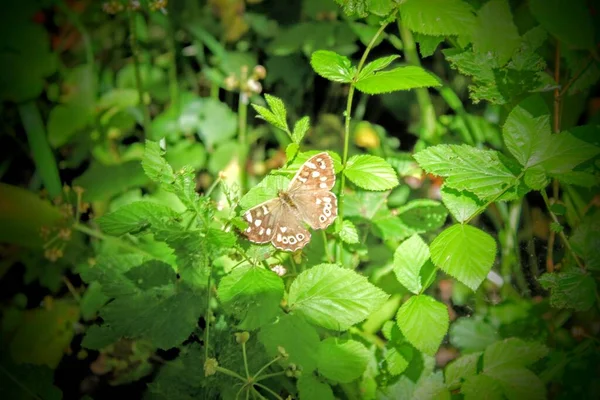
308	199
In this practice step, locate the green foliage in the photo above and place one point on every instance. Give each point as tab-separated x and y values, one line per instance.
424	321
370	172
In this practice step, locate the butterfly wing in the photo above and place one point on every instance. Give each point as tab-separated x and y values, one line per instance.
290	235
263	220
310	191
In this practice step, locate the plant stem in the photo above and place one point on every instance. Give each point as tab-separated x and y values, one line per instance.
173	83
267	365
561	233
136	68
207	315
269	390
428	118
242	125
348	114
71	289
230	373
267	376
245	360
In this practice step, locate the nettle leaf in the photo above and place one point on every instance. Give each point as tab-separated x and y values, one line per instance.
462	368
401	78
134	217
163	312
252	294
332	66
424	322
342	360
465	252
334	297
493	17
461	204
409	258
154	164
277	116
310	387
481	172
471	335
371	172
570	289
376	65
300	346
348	233
300	129
438	17
570	22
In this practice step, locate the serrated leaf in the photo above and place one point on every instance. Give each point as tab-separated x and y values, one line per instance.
432	387
300	346
481	387
481	172
428	44
401	78
422	215
376	65
396	359
342	360
290	151
310	387
348	233
371	172
334	297
461	204
461	368
519	383
471	335
424	322
512	353
493	17
134	217
464	252
177	379
570	289
409	258
438	17
252	294
154	164
278	110
569	21
332	66
586	241
300	128
190	252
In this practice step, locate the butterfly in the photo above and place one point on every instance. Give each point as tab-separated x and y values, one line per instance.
308	199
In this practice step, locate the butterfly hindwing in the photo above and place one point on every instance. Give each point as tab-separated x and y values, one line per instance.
290	235
318	208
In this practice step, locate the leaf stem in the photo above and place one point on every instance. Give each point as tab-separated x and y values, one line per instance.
267	376
230	373
268	390
267	365
348	114
245	360
561	233
136	69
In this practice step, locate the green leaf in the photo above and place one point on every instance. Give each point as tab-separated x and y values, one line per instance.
461	368
177	379
252	294
472	335
428	44
101	182
520	383
569	21
267	189
134	217
332	66
528	137
586	240
401	78
334	297
92	300
300	346
461	204
492	18
398	358
570	289
536	178
409	258
464	252
481	172
190	252
376	65
64	121
348	233
290	151
300	129
26	381
154	164
481	387
216	122
424	322
342	360
423	215
511	353
432	387
438	17
310	387
371	172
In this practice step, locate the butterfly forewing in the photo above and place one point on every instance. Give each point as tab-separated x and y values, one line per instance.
316	173
262	221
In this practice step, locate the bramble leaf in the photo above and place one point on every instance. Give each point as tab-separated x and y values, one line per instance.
409	258
401	78
481	387
570	289
465	252
371	173
348	233
512	352
493	17
310	387
424	322
438	17
471	335
332	66
334	297
462	368
461	204
300	129
342	360
376	65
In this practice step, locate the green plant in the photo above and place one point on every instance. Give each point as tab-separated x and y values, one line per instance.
429	283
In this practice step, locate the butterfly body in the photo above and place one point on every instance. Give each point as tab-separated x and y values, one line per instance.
308	199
